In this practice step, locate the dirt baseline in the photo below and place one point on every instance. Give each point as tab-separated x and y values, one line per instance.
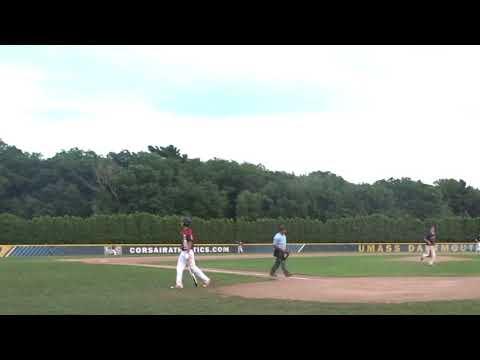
439	259
329	289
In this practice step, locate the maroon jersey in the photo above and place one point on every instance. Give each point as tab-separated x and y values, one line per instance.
187	238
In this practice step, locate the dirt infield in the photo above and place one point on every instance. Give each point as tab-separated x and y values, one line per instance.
170	258
327	289
153	264
361	290
439	259
160	259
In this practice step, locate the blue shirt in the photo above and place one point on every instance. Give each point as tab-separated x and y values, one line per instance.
280	240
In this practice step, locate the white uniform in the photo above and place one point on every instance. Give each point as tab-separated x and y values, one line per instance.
187	259
477	248
430	249
430	252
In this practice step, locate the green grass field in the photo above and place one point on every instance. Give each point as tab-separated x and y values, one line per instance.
46	286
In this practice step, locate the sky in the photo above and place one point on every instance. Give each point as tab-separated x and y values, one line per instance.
362	112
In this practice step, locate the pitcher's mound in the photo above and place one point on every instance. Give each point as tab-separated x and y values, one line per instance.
361	290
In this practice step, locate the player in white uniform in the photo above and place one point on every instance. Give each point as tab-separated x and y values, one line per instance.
186	259
240	247
430	240
477	246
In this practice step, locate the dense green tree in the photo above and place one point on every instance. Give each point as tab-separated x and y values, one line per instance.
169	152
461	199
250	205
163	181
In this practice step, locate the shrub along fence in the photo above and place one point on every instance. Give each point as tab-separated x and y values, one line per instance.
143	228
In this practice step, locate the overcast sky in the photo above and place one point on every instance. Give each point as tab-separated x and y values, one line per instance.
363	112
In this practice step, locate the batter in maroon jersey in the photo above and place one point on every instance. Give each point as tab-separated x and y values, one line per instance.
186	259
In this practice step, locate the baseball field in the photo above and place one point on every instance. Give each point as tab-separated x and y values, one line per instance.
321	284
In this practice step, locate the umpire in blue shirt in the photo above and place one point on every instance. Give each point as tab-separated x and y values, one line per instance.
280	251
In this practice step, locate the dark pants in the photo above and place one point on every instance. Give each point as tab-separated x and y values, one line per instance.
279	262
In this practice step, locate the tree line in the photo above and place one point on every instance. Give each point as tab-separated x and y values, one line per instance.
164	182
144	228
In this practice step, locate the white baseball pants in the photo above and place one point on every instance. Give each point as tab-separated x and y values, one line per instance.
430	252
183	262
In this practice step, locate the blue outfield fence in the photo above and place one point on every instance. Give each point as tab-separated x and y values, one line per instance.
218	249
59	250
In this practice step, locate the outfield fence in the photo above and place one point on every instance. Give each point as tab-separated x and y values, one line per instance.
109	250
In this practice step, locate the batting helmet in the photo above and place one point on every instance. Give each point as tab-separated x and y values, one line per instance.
187	221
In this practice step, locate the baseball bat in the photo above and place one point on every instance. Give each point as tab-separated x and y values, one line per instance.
194	278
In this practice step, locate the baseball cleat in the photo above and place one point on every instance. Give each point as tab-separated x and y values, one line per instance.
205	284
176	287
